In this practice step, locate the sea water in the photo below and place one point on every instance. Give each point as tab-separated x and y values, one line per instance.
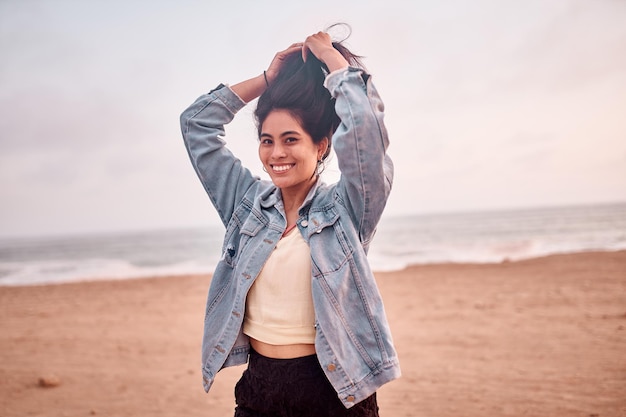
476	237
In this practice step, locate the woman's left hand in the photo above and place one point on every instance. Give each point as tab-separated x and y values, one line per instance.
320	45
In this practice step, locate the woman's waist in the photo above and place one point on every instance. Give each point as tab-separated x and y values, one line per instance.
290	351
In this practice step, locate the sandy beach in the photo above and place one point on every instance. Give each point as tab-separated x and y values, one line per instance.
542	337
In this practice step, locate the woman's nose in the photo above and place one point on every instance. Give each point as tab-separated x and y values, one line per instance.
278	151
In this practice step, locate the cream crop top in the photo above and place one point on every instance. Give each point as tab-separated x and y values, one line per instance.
279	306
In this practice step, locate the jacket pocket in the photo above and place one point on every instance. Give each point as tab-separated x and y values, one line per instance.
330	248
244	225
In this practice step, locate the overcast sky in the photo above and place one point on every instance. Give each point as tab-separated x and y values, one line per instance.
489	104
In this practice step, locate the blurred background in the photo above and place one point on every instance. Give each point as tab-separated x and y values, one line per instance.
491	106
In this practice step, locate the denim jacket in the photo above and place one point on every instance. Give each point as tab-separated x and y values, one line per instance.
353	340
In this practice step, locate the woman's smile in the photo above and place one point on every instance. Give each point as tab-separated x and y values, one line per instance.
282	168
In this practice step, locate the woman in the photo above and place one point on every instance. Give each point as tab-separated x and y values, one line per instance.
293	293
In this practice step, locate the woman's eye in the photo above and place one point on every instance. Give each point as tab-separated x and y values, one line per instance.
290	140
266	141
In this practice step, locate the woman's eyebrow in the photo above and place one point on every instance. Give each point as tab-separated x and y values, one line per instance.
287	133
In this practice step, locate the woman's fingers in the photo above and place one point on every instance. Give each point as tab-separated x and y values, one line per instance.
315	44
280	57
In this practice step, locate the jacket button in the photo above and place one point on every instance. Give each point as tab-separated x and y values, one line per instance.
350	398
304	223
331	367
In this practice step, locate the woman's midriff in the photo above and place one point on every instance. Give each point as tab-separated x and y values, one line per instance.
282	351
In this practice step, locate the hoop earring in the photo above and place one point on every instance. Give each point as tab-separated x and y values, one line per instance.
264	168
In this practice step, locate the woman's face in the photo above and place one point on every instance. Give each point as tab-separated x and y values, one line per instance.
288	153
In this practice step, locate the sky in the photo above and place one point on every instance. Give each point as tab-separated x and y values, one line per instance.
490	104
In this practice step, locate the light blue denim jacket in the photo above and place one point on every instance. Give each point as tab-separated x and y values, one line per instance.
353	340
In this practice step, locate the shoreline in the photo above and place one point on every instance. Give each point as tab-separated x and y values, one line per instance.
543	336
506	260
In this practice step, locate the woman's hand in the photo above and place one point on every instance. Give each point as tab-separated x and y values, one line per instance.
279	60
320	45
250	89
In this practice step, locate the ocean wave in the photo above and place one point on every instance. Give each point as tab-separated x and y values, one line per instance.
487	237
55	272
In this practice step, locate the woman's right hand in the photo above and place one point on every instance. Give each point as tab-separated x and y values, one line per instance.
250	89
279	60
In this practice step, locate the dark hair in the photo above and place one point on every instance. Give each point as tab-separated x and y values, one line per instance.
299	89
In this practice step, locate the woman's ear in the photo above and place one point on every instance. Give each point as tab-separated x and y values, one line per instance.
322	148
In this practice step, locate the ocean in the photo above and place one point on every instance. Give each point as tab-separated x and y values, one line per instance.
473	237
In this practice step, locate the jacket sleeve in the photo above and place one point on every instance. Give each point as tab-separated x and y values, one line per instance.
221	173
361	144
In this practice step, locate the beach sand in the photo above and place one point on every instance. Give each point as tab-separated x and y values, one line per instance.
542	337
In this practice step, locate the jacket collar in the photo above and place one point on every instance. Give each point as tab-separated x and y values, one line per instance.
272	196
309	197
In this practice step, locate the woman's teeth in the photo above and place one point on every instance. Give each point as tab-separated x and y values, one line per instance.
281	168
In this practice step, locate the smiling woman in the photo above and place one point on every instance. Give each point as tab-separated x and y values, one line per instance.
289	154
300	306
